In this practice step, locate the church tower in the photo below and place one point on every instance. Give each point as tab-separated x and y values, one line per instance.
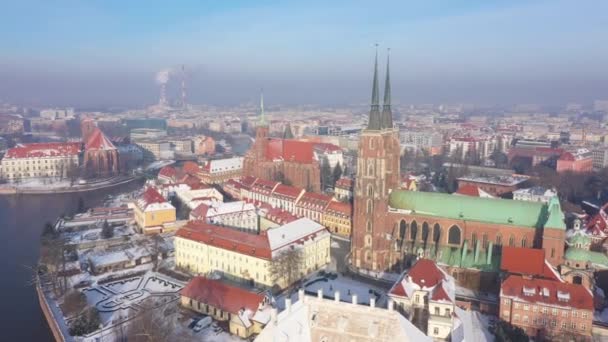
261	132
377	174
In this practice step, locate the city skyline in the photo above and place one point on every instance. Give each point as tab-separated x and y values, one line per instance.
108	53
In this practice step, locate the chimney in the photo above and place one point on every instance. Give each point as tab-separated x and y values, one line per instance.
288	304
372	302
354	297
337	296
273	315
301	295
390	305
320	293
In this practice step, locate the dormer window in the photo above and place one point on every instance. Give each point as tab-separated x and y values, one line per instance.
529	291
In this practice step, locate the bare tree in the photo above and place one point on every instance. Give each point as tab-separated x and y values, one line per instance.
152	324
287	267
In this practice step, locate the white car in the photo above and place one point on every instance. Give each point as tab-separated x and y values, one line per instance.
202	324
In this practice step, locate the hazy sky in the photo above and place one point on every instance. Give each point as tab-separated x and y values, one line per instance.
107	52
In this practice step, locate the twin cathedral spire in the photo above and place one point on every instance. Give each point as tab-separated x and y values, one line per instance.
380	120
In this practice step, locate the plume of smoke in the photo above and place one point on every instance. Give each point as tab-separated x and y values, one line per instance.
162	77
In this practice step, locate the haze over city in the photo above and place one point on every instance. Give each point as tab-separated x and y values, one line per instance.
106	53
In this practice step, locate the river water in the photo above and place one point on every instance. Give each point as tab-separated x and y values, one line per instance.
21	221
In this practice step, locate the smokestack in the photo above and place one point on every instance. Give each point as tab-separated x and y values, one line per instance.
162	77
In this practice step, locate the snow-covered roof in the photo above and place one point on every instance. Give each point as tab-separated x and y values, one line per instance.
295	231
223	165
318	319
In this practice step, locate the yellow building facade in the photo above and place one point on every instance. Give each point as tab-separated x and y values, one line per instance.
152	212
338	218
203	248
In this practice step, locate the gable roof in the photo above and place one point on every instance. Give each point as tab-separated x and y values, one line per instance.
472	190
99	141
222	296
490	210
547	291
527	261
290	150
38	150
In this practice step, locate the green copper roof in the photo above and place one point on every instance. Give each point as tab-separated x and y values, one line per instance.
579	238
491	210
578	254
463	256
556	216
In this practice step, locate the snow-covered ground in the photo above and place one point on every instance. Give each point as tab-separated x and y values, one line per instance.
47	183
347	287
117	300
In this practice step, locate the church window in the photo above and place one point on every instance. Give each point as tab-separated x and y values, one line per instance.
369	226
425	231
512	241
370	191
370	208
454	235
499	240
370	168
413	230
484	241
524	242
436	233
368	240
402	229
473	239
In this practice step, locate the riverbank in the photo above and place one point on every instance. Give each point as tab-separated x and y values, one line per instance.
49	189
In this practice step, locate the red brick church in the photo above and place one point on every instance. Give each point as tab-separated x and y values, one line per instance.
392	227
100	154
286	160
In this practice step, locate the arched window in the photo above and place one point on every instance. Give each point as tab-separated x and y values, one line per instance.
473	239
370	208
512	241
454	235
402	229
577	279
368	240
425	231
413	230
484	241
370	190
436	233
369	226
524	242
499	240
368	256
370	168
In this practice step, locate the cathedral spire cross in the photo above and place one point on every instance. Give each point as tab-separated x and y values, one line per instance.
262	116
374	113
387	115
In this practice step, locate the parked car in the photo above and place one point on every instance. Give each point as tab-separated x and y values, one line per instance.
203	323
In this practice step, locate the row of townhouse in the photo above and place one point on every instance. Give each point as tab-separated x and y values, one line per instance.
336	216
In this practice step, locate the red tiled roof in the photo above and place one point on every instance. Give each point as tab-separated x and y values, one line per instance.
579	296
167	171
191	167
526	261
340	208
222	296
226	238
290	150
151	195
468	190
439	294
248	181
99	141
287	191
598	223
314	199
327	147
425	273
37	150
344	183
200	211
279	215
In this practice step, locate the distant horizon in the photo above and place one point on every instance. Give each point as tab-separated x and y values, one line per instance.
487	53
